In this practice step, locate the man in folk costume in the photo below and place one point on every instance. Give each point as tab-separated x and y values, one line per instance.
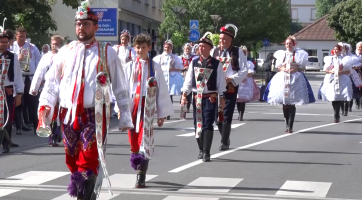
11	85
235	70
38	81
171	66
205	78
80	79
125	52
187	57
148	89
29	57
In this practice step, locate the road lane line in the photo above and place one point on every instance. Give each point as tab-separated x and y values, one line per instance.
233	126
197	162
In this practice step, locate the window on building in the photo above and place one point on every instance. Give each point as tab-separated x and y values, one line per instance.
160	4
312	52
295	14
146	2
313	17
154	3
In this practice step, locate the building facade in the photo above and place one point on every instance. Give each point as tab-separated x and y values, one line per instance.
303	11
137	16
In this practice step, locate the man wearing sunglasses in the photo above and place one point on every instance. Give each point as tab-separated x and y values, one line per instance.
80	78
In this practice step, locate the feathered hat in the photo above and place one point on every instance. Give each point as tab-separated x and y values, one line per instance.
2	30
84	11
169	42
229	29
205	39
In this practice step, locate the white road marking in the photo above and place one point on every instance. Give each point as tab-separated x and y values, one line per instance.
211	184
102	196
5	192
188	198
215	129
197	162
33	177
304	188
125	180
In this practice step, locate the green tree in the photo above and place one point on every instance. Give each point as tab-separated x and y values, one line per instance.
33	15
295	27
324	6
345	19
256	20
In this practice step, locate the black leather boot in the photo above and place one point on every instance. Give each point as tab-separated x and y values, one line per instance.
225	137
141	174
241	109
336	107
286	117
207	142
89	185
341	107
6	141
199	143
345	105
292	110
19	122
25	127
219	126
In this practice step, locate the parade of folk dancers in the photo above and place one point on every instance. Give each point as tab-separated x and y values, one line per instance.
71	92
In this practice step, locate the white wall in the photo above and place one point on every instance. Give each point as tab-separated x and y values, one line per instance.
303	11
318	45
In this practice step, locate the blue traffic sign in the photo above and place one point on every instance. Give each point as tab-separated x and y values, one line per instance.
194	24
266	42
194	35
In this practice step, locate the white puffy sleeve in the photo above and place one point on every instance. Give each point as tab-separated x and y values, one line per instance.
40	72
164	104
302	59
178	63
120	87
18	78
327	63
279	55
251	67
348	62
221	83
243	71
187	87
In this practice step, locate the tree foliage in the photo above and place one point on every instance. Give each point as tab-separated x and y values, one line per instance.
178	39
215	39
256	20
295	27
324	6
346	21
33	15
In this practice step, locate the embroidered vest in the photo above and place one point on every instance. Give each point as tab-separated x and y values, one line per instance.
212	82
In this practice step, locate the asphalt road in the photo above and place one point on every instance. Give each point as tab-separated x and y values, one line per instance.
320	160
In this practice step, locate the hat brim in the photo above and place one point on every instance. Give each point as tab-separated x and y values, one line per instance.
206	42
227	33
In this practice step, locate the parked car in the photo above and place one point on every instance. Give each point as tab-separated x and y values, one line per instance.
313	64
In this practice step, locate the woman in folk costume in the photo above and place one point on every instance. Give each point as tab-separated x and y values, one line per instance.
195	50
80	79
337	85
187	57
171	66
355	78
149	93
325	59
45	49
235	70
206	80
248	90
357	67
124	51
289	86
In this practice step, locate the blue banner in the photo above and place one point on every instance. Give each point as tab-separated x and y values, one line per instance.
107	21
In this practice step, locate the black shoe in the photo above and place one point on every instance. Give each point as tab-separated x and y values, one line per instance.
19	132
225	137
141	181
223	147
206	156
89	188
6	149
201	154
168	118
25	127
14	145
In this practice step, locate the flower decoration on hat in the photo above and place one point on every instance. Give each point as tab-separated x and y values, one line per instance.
229	29
169	42
84	11
125	32
206	39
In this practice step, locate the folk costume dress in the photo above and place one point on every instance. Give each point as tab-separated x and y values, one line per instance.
125	53
337	89
248	91
186	61
79	80
45	63
150	101
289	89
235	67
174	80
29	103
356	82
205	78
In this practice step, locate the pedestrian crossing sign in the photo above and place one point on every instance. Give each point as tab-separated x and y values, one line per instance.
194	24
